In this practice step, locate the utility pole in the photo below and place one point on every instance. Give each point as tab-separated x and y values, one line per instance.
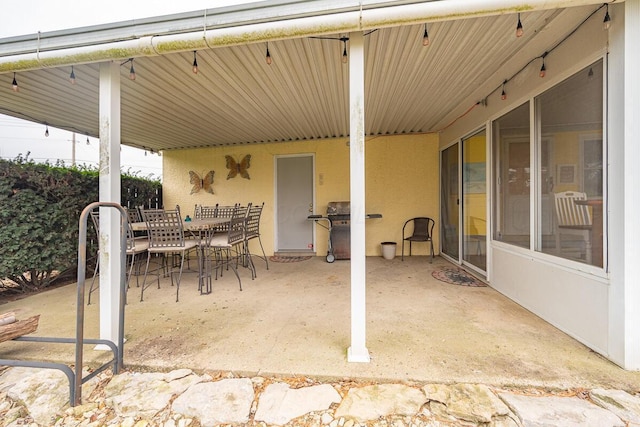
73	150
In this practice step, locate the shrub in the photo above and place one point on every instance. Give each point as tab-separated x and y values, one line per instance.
40	206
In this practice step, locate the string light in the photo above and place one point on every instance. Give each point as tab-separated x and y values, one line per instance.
345	58
132	72
425	37
606	24
46	130
502	85
344	40
195	63
268	57
543	69
72	76
14	84
519	30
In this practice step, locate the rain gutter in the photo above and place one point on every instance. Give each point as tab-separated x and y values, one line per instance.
242	24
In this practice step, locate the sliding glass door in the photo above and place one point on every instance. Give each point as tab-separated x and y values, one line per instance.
450	201
464	201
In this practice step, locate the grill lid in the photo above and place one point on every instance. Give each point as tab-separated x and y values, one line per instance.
339	208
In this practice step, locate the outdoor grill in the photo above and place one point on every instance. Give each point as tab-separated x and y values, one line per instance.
339	220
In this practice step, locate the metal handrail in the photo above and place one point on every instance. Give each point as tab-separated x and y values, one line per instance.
75	375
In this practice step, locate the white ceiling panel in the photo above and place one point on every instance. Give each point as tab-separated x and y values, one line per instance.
237	98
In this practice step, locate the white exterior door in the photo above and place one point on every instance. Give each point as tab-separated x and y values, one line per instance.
294	202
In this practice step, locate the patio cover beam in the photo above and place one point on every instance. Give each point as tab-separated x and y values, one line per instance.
270	20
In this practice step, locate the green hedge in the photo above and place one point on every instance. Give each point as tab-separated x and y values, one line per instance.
40	206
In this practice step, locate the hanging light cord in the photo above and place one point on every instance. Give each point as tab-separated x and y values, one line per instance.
547	52
503	83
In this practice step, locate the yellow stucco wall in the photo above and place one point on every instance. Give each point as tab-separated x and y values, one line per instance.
401	182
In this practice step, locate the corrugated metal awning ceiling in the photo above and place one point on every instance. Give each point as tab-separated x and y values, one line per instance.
236	98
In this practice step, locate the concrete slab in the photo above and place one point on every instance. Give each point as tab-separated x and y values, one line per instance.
293	320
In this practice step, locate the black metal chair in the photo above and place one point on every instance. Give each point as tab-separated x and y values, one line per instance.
422	232
252	231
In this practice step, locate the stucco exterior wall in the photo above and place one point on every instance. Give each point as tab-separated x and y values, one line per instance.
401	182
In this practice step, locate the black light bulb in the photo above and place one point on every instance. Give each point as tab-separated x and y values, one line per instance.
519	29
425	37
195	63
132	72
606	24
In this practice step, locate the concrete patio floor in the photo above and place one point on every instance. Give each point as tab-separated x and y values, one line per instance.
294	319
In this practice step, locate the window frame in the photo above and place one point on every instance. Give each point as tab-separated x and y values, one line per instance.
536	139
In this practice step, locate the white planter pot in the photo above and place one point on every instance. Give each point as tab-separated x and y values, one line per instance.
388	250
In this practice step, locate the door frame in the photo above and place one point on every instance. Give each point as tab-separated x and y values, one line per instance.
276	244
459	177
489	227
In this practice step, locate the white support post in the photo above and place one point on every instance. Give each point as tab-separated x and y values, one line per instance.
631	293
109	179
358	351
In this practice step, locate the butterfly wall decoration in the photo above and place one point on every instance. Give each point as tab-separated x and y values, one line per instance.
236	168
205	183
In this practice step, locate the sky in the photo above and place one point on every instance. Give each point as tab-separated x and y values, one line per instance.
19	137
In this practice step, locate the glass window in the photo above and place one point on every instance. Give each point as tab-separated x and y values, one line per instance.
513	177
570	194
474	199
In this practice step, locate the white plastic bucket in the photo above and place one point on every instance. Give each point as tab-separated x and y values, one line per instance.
388	250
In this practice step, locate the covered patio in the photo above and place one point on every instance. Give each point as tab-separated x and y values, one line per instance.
323	80
292	320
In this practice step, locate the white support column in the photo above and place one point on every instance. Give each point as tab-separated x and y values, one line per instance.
109	116
358	351
631	189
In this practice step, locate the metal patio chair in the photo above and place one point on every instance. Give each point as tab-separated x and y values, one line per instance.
135	246
202	211
422	232
166	237
223	245
252	231
573	219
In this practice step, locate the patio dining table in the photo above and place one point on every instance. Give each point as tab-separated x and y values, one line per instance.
202	229
193	225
